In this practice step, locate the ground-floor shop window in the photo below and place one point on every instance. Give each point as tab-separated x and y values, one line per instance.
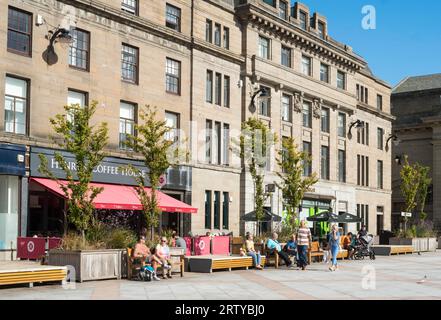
9	206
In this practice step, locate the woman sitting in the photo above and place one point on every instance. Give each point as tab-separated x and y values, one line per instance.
252	252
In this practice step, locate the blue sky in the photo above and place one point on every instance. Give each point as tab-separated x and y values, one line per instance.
407	39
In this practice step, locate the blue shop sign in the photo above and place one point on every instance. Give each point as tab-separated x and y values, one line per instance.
12	159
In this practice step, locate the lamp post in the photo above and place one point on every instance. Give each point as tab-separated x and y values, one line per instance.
358	124
60	35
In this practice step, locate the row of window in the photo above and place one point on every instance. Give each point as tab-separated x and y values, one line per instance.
220	36
363	172
264	52
221	89
172	13
17	105
362	166
363	96
213	206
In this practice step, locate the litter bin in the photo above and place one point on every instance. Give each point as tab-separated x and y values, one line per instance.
385	235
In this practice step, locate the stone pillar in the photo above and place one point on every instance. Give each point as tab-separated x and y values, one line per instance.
437	177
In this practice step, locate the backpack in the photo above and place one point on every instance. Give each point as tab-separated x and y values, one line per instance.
146	273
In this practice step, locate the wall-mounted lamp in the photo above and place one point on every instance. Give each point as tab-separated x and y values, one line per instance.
398	160
357	124
395	140
258	93
60	35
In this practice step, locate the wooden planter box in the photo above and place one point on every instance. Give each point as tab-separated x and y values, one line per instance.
418	244
92	264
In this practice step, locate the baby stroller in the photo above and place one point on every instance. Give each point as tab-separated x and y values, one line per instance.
364	248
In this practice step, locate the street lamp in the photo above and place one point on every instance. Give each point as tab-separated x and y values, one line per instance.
358	124
395	140
259	93
60	35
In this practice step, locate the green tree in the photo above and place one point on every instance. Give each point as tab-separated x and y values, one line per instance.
424	182
256	140
76	135
293	184
158	153
410	176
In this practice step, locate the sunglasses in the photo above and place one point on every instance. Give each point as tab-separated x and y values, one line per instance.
163	240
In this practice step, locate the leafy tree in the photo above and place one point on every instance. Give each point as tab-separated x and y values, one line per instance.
293	184
256	140
76	135
159	153
424	182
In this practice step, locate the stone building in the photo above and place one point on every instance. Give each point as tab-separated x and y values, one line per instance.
416	104
199	62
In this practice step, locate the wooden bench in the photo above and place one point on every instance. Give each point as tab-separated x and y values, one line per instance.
315	252
207	264
176	257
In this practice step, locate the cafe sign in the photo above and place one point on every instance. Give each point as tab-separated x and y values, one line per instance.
110	170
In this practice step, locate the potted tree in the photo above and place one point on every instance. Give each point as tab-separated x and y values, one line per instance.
415	183
88	246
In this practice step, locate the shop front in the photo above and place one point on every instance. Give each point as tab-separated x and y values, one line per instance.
12	171
118	201
314	204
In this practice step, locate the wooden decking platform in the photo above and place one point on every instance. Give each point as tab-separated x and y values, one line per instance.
384	250
24	272
207	264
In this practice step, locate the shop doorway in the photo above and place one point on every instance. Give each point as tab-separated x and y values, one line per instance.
173	220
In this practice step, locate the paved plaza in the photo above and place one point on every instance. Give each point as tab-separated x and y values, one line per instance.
397	277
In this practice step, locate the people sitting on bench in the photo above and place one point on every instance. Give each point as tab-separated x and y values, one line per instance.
350	244
162	251
291	247
249	243
274	246
143	256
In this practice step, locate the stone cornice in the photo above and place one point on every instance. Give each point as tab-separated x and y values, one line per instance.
301	38
374	111
102	9
217	51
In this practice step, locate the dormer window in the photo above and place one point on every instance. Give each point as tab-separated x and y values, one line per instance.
283	10
303	20
321	30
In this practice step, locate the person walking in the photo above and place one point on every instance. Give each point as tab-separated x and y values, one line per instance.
334	242
304	240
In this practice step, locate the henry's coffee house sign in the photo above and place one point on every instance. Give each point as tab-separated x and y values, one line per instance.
110	170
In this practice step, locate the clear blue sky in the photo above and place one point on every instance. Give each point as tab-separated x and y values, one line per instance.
406	42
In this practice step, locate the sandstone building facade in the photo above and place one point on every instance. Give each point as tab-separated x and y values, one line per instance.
199	62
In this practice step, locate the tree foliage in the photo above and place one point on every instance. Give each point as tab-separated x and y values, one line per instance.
415	182
293	184
158	153
256	141
86	142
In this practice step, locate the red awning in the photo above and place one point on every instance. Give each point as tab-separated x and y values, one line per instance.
117	197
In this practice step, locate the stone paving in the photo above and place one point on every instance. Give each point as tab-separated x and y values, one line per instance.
396	277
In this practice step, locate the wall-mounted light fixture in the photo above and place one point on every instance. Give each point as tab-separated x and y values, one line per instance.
257	93
358	125
395	140
60	35
398	159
